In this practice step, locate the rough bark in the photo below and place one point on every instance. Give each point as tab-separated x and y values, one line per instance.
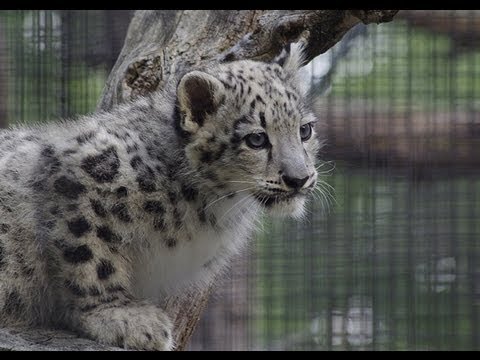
46	340
161	44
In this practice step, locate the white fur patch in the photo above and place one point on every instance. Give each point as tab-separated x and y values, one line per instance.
161	271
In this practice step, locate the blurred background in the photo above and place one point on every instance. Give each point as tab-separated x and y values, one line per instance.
389	260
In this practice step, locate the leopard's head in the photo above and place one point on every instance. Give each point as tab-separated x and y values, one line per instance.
251	132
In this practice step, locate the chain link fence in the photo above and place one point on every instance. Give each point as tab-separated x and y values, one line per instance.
389	259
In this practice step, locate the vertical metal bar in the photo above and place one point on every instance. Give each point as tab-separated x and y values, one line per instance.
473	269
65	55
85	73
390	238
372	210
331	240
410	205
454	202
4	72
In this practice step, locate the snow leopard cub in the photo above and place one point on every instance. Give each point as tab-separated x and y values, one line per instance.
103	216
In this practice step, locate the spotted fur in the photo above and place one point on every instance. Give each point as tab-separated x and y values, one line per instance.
103	216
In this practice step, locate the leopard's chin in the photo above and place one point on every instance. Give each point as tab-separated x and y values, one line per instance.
284	206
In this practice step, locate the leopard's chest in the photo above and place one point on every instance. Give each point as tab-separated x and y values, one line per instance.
200	251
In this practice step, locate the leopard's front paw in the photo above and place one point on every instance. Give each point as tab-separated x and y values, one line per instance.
139	327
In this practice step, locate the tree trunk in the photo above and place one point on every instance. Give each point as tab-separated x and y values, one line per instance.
161	44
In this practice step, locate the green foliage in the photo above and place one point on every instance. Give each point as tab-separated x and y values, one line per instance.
46	80
409	67
399	250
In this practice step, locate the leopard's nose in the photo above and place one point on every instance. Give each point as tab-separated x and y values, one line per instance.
294	182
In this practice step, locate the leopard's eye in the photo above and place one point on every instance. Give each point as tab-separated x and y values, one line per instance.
306	131
257	140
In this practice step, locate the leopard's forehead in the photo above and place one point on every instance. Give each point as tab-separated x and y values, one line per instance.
263	92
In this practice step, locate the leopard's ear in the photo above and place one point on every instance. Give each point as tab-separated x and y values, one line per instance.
199	95
291	59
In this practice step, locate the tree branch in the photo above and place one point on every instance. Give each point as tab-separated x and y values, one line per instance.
164	43
46	340
319	29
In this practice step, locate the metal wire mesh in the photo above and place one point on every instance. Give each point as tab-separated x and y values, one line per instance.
54	63
394	263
